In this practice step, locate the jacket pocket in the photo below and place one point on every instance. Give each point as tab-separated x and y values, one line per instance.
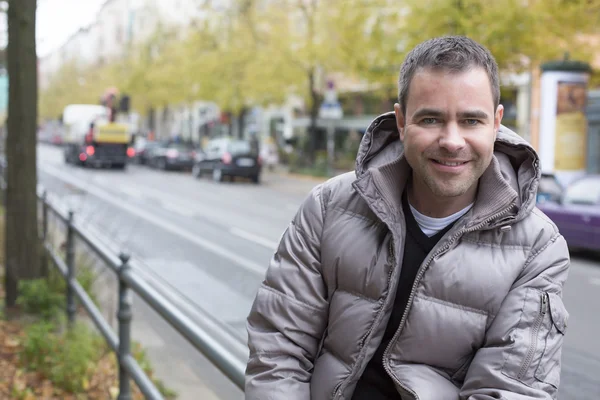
548	370
535	353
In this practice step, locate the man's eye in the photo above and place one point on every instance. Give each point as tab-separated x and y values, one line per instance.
429	121
471	121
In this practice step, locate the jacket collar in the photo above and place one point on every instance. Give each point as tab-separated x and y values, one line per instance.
495	195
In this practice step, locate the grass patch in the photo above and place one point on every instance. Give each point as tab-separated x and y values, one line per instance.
67	359
311	171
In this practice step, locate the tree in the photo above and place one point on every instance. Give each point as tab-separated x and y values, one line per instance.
227	62
520	33
307	41
22	241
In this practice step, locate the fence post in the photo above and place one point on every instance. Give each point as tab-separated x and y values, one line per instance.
70	258
44	233
124	316
4	184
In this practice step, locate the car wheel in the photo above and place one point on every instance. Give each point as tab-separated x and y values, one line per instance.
217	175
162	164
196	171
256	179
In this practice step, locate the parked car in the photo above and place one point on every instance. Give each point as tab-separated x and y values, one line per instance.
171	156
577	213
227	158
549	189
143	148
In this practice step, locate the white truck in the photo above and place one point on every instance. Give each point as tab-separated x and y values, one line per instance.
91	139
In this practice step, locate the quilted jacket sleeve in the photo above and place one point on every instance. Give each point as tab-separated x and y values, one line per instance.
521	356
289	315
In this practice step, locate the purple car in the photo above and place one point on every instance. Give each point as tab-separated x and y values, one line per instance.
577	213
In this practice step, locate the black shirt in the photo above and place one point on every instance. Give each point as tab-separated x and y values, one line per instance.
375	383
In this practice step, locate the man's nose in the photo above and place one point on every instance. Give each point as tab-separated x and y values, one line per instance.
451	138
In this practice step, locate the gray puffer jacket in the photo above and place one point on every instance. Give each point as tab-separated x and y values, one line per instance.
485	318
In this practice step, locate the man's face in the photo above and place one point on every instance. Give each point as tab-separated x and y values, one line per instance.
449	129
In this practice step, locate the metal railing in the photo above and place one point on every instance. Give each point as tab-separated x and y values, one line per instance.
213	342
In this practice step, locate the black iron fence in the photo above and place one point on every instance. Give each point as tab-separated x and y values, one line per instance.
215	346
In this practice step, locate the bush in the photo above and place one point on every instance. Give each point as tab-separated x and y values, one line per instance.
67	359
47	297
319	168
39	298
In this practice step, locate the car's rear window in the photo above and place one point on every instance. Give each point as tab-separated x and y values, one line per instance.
548	184
583	191
180	147
240	146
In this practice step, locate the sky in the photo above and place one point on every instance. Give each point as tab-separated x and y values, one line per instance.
57	20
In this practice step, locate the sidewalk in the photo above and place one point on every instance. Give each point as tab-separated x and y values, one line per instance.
297	184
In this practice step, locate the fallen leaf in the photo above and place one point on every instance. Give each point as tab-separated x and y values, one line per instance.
47	390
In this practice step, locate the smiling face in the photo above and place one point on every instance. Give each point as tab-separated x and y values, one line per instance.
448	133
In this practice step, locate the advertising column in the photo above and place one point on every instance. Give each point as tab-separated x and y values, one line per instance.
563	123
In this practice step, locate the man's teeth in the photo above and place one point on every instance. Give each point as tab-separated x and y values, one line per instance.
451	164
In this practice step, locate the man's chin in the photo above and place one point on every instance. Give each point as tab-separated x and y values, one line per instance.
448	189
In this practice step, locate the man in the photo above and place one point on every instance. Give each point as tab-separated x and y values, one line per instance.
428	273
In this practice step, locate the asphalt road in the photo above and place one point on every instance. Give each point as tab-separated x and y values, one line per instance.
211	243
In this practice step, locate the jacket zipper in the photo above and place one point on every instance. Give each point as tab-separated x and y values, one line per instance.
420	273
534	336
337	392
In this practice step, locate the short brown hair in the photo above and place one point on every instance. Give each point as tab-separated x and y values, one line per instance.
452	53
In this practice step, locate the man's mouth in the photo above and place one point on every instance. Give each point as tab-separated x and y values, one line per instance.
450	163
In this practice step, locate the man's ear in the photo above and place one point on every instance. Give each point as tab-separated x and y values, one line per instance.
498	118
400	121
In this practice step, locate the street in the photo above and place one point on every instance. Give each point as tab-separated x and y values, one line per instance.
212	242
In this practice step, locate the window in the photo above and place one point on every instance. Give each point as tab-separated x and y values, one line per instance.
180	146
213	146
549	185
239	147
584	191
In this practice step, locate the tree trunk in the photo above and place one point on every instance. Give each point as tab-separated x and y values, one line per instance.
241	122
314	115
22	242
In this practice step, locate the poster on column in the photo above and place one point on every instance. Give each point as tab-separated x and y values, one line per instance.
571	126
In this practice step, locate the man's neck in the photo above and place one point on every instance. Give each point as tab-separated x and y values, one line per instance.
424	201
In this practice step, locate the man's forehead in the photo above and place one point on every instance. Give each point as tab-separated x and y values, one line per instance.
468	89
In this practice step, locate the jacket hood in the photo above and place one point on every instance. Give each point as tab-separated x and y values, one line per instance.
516	159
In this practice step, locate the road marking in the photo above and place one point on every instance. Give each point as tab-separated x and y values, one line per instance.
269	244
131	192
595	281
184	233
177	209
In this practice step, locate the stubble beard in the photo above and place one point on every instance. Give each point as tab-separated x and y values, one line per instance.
455	186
